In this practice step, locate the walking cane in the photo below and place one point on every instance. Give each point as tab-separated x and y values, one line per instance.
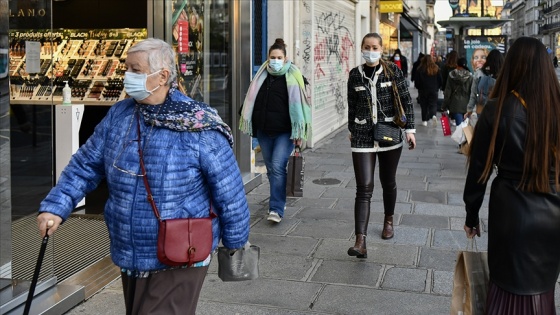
37	270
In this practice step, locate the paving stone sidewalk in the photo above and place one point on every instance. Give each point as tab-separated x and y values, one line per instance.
304	266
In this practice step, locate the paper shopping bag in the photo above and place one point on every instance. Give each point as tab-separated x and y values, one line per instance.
445	125
294	182
470	283
468	131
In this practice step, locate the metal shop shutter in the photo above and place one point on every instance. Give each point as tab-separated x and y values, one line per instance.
333	58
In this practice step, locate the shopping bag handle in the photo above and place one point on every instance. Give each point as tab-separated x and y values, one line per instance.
297	150
471	245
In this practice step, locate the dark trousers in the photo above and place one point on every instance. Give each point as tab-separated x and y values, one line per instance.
170	292
428	104
364	167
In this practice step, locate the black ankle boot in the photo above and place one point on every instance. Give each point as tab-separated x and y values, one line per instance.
359	250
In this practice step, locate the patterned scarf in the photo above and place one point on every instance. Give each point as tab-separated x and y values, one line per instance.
185	114
300	110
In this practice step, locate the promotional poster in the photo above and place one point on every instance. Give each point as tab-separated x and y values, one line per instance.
477	48
187	38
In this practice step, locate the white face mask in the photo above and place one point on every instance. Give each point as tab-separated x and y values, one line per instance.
135	85
276	64
397	58
371	56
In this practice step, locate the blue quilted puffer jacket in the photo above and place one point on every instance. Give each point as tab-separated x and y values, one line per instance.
187	171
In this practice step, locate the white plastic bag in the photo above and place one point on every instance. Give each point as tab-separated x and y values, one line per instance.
473	119
458	135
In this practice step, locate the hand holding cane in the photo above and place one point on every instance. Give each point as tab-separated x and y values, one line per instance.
37	270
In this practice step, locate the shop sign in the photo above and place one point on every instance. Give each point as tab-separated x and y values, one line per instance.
30	14
390	6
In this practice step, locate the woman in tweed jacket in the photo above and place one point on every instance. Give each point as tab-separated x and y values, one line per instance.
370	100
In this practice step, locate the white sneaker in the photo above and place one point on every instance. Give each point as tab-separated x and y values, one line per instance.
435	120
274	217
424	123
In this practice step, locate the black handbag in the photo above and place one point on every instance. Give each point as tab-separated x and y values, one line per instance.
387	133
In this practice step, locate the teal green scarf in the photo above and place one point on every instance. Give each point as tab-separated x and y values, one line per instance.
300	110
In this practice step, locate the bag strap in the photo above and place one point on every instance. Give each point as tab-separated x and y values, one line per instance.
150	197
397	100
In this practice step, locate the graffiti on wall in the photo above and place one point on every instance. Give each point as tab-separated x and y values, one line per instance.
332	53
306	49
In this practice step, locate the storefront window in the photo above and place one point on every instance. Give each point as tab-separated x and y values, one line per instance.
201	37
26	137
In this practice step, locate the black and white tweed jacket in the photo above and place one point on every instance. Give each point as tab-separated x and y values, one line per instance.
367	105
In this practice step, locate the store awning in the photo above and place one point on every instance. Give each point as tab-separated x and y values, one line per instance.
405	33
463	23
409	23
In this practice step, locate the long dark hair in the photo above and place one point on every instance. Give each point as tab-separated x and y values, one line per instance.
428	65
493	64
452	58
528	70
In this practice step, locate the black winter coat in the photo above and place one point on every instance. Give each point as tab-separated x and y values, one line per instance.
360	121
425	82
523	227
271	113
404	65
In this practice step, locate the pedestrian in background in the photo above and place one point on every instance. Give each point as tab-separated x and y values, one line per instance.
518	135
428	82
401	62
457	91
482	86
450	65
276	111
370	100
439	62
189	164
413	74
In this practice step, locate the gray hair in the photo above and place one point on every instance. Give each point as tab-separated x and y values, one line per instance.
160	56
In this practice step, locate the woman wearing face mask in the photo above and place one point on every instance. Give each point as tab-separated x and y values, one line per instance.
370	102
400	61
276	111
189	166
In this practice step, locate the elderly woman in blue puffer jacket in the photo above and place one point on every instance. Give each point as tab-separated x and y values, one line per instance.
190	167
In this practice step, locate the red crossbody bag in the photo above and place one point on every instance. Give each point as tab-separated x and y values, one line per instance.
180	241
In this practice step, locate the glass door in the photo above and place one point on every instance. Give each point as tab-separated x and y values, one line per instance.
200	35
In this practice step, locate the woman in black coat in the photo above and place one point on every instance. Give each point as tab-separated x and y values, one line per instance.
428	82
518	135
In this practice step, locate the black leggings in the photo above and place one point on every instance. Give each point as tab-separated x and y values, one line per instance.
364	167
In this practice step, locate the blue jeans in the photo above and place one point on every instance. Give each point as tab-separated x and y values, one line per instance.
458	118
276	151
254	143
